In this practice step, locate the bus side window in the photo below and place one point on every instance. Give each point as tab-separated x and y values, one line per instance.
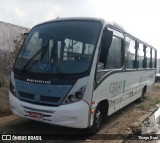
105	45
153	58
114	59
148	57
140	55
130	53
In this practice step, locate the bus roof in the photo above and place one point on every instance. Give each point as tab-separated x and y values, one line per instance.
75	18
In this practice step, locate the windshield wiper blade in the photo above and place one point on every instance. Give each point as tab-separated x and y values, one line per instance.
43	50
24	69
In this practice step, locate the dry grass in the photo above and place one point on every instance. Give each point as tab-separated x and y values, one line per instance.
151	99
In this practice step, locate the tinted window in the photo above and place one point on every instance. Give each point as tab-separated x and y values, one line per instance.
64	46
148	57
73	48
114	59
140	56
153	58
130	53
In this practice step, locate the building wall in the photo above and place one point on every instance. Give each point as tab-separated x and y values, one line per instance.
8	34
11	38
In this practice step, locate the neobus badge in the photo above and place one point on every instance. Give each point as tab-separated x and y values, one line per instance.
38	81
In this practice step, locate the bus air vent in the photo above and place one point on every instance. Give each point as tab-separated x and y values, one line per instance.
26	95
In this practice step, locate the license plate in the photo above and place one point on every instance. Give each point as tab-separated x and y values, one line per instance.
36	115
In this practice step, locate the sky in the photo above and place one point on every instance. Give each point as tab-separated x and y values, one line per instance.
139	17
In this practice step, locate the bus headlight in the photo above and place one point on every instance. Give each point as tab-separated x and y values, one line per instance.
71	98
12	89
74	97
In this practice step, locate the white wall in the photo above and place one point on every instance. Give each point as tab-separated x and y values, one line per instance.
9	33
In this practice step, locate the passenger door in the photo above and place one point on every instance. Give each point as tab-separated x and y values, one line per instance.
110	64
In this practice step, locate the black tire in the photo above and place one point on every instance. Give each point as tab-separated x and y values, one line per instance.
141	99
98	119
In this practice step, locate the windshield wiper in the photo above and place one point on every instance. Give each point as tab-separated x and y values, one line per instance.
43	50
24	69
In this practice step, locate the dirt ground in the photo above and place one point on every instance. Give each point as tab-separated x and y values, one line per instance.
152	98
4	103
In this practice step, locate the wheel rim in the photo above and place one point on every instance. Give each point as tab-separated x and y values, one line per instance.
98	119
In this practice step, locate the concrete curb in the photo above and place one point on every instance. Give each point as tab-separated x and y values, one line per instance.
149	124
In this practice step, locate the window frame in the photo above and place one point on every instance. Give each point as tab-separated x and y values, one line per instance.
150	58
121	36
127	54
140	68
154	62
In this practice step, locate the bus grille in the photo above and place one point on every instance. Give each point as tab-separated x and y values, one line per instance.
26	95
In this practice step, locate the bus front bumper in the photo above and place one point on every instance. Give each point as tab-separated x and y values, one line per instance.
75	115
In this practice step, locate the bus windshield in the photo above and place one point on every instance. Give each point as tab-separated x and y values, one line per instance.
59	47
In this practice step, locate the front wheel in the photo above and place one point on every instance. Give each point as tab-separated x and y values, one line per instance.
96	123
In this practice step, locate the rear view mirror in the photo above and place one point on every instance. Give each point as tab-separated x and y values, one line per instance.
105	45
